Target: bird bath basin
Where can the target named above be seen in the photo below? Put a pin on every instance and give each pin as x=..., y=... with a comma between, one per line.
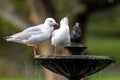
x=74, y=67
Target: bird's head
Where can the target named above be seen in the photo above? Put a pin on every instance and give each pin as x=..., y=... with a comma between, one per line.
x=51, y=22
x=64, y=20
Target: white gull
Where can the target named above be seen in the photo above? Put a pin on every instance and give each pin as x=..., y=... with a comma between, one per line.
x=61, y=36
x=35, y=35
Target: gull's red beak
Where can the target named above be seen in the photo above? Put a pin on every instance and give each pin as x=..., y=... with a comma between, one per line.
x=56, y=24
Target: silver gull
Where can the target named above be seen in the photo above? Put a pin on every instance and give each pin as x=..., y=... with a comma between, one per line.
x=61, y=36
x=35, y=35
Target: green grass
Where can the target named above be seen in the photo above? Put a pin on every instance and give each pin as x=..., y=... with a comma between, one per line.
x=104, y=46
x=97, y=76
x=12, y=78
x=105, y=76
x=22, y=78
x=103, y=32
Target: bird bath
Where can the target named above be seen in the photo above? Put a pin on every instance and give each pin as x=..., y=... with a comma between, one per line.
x=75, y=66
x=75, y=48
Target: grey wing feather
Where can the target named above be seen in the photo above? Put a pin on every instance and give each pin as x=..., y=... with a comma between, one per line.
x=28, y=33
x=34, y=28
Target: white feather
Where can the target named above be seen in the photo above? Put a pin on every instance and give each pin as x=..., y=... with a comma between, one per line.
x=35, y=34
x=61, y=36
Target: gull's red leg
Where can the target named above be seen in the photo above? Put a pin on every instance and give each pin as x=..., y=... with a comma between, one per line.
x=65, y=51
x=34, y=48
x=55, y=50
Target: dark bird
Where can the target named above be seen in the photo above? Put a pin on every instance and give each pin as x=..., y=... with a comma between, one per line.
x=76, y=34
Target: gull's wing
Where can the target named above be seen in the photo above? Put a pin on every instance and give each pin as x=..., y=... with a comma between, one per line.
x=34, y=28
x=29, y=32
x=26, y=33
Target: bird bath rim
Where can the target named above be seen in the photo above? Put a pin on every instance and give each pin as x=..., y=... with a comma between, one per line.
x=73, y=57
x=74, y=66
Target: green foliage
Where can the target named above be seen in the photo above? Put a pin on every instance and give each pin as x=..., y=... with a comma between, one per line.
x=63, y=7
x=103, y=32
x=6, y=29
x=20, y=6
x=104, y=46
x=97, y=76
x=105, y=76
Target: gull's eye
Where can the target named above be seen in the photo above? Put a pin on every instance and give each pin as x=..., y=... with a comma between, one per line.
x=51, y=21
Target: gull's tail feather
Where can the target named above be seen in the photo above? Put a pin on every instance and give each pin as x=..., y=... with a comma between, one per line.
x=9, y=38
x=13, y=38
